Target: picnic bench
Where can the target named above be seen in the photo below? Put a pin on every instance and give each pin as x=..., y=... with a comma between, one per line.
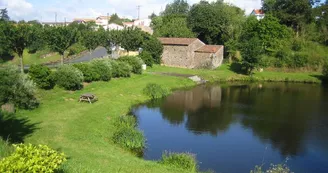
x=88, y=98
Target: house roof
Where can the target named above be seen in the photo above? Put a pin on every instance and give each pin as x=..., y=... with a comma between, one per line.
x=209, y=48
x=85, y=20
x=103, y=17
x=127, y=23
x=258, y=11
x=177, y=41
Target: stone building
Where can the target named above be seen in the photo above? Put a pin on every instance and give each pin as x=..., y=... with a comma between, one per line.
x=191, y=53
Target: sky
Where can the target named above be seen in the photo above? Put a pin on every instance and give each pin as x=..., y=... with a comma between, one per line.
x=45, y=10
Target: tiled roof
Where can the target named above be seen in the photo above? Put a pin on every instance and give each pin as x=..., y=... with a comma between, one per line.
x=103, y=17
x=258, y=11
x=177, y=41
x=209, y=48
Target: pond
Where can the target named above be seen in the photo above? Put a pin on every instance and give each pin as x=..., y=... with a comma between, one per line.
x=232, y=128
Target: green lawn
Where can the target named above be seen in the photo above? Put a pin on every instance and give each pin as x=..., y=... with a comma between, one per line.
x=223, y=73
x=34, y=58
x=83, y=131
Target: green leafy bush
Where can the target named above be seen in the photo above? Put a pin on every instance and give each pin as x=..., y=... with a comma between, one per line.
x=103, y=68
x=41, y=75
x=69, y=77
x=17, y=88
x=154, y=47
x=299, y=60
x=30, y=158
x=155, y=91
x=134, y=62
x=129, y=138
x=146, y=57
x=89, y=74
x=76, y=49
x=120, y=69
x=185, y=161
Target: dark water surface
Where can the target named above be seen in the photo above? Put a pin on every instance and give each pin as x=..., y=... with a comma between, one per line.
x=233, y=128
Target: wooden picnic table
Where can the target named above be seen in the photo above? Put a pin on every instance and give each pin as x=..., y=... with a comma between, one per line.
x=88, y=97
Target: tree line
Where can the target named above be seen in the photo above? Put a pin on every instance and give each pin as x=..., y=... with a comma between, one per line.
x=293, y=33
x=15, y=37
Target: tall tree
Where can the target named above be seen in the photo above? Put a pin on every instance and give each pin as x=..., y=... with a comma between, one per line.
x=91, y=39
x=4, y=14
x=172, y=26
x=293, y=13
x=60, y=39
x=217, y=22
x=131, y=39
x=177, y=7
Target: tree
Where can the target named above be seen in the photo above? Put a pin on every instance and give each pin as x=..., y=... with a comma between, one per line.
x=180, y=7
x=293, y=13
x=251, y=53
x=16, y=37
x=154, y=47
x=91, y=39
x=36, y=37
x=172, y=26
x=152, y=16
x=4, y=14
x=131, y=39
x=60, y=39
x=215, y=23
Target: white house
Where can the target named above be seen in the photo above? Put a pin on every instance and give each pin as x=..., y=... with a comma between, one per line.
x=102, y=21
x=142, y=22
x=114, y=26
x=258, y=13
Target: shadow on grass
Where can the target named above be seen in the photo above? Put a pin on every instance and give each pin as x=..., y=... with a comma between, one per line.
x=6, y=57
x=323, y=79
x=15, y=129
x=237, y=68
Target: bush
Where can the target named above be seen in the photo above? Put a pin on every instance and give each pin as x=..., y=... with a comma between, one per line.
x=146, y=57
x=125, y=121
x=299, y=60
x=76, y=49
x=89, y=74
x=185, y=161
x=129, y=138
x=134, y=62
x=155, y=91
x=102, y=68
x=120, y=69
x=154, y=47
x=41, y=75
x=69, y=77
x=30, y=158
x=17, y=88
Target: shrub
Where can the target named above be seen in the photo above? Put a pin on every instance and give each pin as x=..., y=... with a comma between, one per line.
x=129, y=138
x=125, y=121
x=41, y=75
x=120, y=69
x=89, y=74
x=102, y=68
x=299, y=60
x=155, y=91
x=30, y=158
x=146, y=57
x=185, y=161
x=69, y=77
x=154, y=47
x=17, y=88
x=76, y=49
x=134, y=62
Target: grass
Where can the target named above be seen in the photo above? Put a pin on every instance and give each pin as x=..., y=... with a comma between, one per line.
x=35, y=58
x=5, y=148
x=84, y=131
x=185, y=161
x=224, y=73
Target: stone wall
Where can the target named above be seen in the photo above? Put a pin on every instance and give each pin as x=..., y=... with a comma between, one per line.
x=207, y=60
x=180, y=55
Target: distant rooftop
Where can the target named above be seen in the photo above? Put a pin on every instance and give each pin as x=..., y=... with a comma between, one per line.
x=209, y=48
x=258, y=11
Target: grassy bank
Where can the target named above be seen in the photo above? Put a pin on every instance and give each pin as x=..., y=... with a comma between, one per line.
x=224, y=73
x=34, y=58
x=83, y=131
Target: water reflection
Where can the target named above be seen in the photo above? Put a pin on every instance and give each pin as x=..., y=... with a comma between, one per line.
x=289, y=117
